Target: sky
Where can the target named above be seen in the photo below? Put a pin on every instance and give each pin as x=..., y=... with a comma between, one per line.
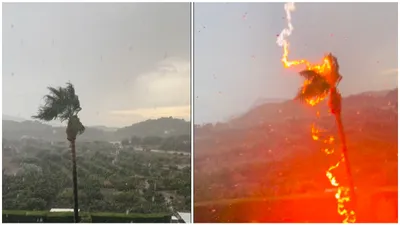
x=128, y=61
x=237, y=60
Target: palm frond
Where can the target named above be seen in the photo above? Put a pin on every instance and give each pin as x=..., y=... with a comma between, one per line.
x=73, y=99
x=76, y=106
x=58, y=92
x=65, y=115
x=70, y=90
x=81, y=129
x=50, y=99
x=309, y=74
x=54, y=102
x=334, y=62
x=317, y=87
x=334, y=77
x=61, y=103
x=46, y=113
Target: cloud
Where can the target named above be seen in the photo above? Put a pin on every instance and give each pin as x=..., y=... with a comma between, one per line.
x=393, y=71
x=167, y=85
x=161, y=92
x=178, y=112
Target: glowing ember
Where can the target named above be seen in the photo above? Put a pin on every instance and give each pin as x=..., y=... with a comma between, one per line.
x=325, y=69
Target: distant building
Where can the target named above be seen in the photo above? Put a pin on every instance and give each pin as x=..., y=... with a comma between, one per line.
x=27, y=137
x=116, y=144
x=62, y=210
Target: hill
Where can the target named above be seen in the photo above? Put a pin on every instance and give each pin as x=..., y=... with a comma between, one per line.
x=162, y=127
x=269, y=150
x=13, y=130
x=13, y=118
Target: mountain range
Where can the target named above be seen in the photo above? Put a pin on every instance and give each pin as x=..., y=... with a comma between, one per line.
x=282, y=110
x=13, y=118
x=162, y=127
x=272, y=144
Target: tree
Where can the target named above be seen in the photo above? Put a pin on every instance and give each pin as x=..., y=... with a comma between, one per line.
x=136, y=141
x=125, y=142
x=319, y=84
x=169, y=143
x=152, y=140
x=63, y=104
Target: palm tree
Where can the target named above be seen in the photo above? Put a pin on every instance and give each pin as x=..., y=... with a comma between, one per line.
x=319, y=84
x=63, y=104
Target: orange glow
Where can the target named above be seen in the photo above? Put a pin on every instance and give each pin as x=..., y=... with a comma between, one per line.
x=324, y=68
x=343, y=193
x=329, y=151
x=321, y=68
x=316, y=100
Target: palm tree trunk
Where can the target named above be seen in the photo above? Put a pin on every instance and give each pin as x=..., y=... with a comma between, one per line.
x=342, y=137
x=75, y=182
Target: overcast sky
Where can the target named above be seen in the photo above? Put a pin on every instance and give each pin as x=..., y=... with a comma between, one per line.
x=237, y=60
x=128, y=61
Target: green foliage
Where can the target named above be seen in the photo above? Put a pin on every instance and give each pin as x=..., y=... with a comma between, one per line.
x=61, y=103
x=23, y=216
x=136, y=141
x=179, y=143
x=107, y=182
x=125, y=142
x=85, y=217
x=172, y=143
x=162, y=127
x=152, y=140
x=67, y=217
x=129, y=218
x=59, y=217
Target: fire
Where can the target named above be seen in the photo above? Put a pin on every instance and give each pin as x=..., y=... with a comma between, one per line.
x=343, y=193
x=324, y=68
x=282, y=41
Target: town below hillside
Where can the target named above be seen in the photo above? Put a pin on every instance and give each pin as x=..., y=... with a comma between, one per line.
x=146, y=169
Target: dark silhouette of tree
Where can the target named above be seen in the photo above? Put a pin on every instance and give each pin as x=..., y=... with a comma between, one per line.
x=125, y=142
x=136, y=141
x=152, y=140
x=63, y=104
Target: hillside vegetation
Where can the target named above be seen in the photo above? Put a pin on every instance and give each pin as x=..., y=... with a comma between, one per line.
x=269, y=151
x=136, y=174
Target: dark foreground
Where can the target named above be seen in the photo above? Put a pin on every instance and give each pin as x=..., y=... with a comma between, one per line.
x=372, y=207
x=20, y=216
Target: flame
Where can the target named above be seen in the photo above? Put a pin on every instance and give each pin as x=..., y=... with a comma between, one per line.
x=343, y=193
x=316, y=100
x=324, y=68
x=283, y=42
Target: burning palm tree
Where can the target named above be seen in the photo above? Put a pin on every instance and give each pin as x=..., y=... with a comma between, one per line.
x=63, y=104
x=320, y=83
